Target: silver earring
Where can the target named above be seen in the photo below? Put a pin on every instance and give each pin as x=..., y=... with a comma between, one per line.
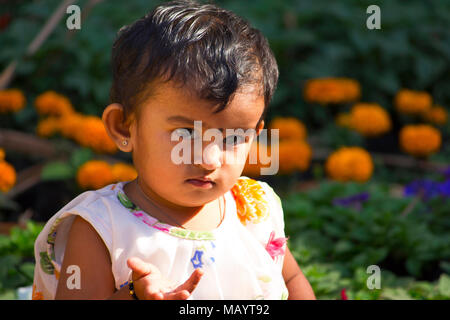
x=124, y=142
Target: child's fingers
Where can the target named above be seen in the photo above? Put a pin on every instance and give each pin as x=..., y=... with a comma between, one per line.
x=178, y=295
x=140, y=268
x=191, y=283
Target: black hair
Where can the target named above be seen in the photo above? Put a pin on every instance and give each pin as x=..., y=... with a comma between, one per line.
x=207, y=49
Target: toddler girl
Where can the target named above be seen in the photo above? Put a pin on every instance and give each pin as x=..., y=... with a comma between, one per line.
x=190, y=230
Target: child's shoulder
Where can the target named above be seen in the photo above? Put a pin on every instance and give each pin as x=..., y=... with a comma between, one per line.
x=93, y=198
x=91, y=205
x=255, y=201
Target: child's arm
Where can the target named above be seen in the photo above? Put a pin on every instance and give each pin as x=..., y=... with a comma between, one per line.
x=86, y=250
x=296, y=283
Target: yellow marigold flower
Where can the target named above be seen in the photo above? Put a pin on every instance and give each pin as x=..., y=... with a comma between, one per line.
x=332, y=90
x=437, y=115
x=412, y=102
x=250, y=203
x=123, y=172
x=7, y=176
x=294, y=155
x=52, y=103
x=70, y=124
x=48, y=127
x=349, y=164
x=420, y=140
x=92, y=134
x=370, y=119
x=289, y=128
x=344, y=120
x=11, y=100
x=94, y=174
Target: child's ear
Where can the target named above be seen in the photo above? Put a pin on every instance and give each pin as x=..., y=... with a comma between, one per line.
x=116, y=126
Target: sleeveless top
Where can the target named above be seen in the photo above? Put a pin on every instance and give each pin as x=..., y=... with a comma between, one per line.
x=242, y=258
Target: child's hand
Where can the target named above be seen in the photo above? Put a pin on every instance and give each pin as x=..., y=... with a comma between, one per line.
x=149, y=284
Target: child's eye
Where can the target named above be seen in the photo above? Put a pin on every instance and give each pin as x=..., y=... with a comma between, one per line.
x=234, y=140
x=185, y=132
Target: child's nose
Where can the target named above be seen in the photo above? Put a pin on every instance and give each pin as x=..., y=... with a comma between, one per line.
x=212, y=157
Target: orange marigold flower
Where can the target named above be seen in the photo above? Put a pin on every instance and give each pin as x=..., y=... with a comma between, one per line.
x=332, y=90
x=253, y=165
x=11, y=100
x=2, y=154
x=70, y=124
x=7, y=176
x=370, y=119
x=349, y=164
x=92, y=134
x=52, y=103
x=420, y=140
x=123, y=172
x=412, y=102
x=94, y=174
x=48, y=127
x=294, y=155
x=289, y=128
x=437, y=115
x=250, y=203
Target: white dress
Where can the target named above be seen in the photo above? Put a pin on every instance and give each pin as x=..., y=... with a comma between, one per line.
x=242, y=258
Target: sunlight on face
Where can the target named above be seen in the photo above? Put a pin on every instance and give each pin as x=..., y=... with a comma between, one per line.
x=210, y=173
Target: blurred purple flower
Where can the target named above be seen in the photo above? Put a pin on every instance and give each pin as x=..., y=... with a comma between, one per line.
x=444, y=188
x=446, y=173
x=354, y=201
x=427, y=189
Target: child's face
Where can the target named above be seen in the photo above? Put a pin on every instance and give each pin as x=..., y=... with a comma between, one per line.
x=191, y=184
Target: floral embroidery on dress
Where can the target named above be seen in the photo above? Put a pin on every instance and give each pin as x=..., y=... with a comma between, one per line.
x=47, y=259
x=275, y=247
x=154, y=223
x=202, y=257
x=36, y=295
x=250, y=202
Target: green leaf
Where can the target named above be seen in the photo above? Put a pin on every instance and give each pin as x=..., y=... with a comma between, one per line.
x=444, y=285
x=27, y=269
x=80, y=156
x=58, y=170
x=395, y=294
x=8, y=295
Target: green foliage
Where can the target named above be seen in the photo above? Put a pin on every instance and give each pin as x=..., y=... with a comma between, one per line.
x=328, y=284
x=377, y=233
x=61, y=170
x=20, y=242
x=17, y=259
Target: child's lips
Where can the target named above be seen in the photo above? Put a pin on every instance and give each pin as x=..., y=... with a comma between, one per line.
x=203, y=183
